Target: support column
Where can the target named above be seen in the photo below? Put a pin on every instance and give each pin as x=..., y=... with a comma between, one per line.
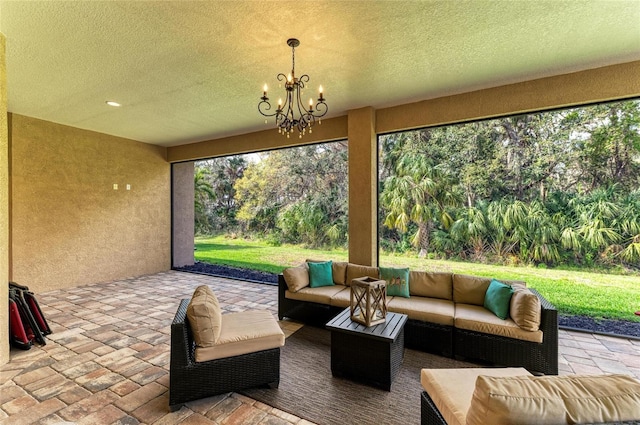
x=4, y=205
x=363, y=187
x=182, y=210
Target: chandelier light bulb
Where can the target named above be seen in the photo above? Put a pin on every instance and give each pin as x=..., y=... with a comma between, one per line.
x=291, y=113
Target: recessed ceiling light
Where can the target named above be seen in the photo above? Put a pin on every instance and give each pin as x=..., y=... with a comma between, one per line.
x=112, y=103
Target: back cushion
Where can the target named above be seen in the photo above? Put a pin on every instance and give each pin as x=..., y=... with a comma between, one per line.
x=355, y=270
x=469, y=289
x=339, y=270
x=296, y=277
x=554, y=400
x=525, y=308
x=204, y=316
x=433, y=285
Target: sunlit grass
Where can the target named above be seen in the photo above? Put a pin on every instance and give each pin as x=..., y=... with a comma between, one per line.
x=572, y=292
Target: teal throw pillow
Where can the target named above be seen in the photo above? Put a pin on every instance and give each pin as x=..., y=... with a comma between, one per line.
x=397, y=281
x=498, y=298
x=320, y=274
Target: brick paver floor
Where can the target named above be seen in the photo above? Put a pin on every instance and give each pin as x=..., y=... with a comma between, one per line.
x=107, y=360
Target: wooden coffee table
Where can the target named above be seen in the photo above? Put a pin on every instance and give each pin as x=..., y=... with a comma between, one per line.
x=369, y=354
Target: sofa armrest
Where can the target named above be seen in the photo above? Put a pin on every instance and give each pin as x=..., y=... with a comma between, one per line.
x=282, y=287
x=549, y=328
x=549, y=315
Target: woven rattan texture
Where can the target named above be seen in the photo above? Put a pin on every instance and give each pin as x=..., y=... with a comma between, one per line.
x=369, y=360
x=429, y=413
x=535, y=357
x=190, y=380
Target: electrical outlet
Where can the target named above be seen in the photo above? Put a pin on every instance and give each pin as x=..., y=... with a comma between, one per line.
x=115, y=186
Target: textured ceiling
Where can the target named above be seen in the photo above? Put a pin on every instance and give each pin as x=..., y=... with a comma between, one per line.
x=189, y=71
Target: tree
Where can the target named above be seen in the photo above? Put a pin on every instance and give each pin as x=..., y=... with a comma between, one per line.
x=220, y=206
x=203, y=193
x=297, y=195
x=610, y=147
x=419, y=191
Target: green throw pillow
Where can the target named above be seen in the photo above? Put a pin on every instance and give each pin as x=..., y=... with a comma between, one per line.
x=320, y=274
x=397, y=281
x=497, y=298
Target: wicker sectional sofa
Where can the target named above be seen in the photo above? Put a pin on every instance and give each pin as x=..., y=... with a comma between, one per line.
x=446, y=315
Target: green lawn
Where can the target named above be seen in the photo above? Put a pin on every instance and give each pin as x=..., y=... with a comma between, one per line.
x=572, y=292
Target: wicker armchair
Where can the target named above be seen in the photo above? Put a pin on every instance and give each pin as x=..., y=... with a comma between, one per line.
x=430, y=415
x=190, y=380
x=458, y=393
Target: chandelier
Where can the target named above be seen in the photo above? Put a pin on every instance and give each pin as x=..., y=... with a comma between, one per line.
x=292, y=114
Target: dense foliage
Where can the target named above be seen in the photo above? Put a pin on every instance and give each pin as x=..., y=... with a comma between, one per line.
x=547, y=188
x=560, y=187
x=296, y=195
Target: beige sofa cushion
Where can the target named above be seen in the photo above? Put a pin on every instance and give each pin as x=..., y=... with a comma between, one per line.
x=426, y=309
x=242, y=333
x=342, y=298
x=431, y=284
x=554, y=400
x=451, y=389
x=469, y=289
x=355, y=270
x=204, y=315
x=479, y=319
x=525, y=308
x=296, y=277
x=338, y=270
x=320, y=295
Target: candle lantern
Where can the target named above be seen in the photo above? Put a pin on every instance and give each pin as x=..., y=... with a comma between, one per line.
x=368, y=301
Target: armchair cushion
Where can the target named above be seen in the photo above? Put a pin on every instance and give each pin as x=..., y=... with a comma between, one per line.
x=205, y=316
x=242, y=333
x=554, y=400
x=451, y=389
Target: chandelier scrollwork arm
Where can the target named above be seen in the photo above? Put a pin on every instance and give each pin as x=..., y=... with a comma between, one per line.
x=292, y=113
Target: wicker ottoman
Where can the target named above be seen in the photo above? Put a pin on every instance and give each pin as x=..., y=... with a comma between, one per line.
x=369, y=354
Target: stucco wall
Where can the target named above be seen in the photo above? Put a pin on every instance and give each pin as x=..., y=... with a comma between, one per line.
x=4, y=205
x=363, y=181
x=183, y=194
x=69, y=226
x=594, y=85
